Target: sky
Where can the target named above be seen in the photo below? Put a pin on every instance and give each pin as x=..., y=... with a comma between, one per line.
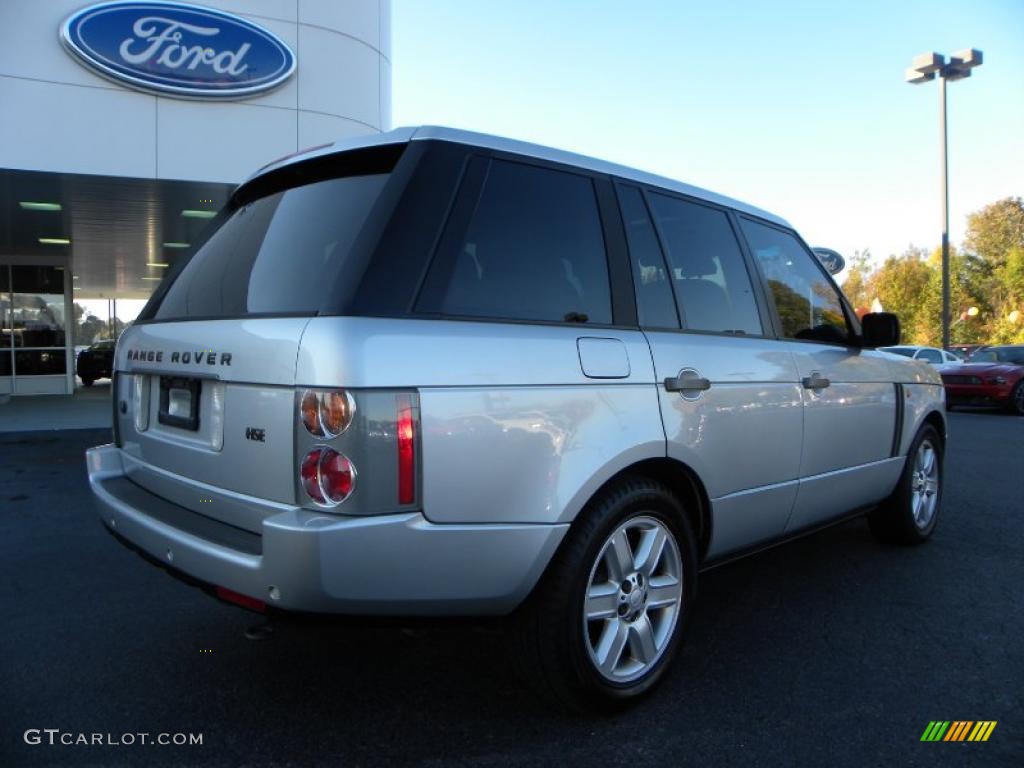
x=797, y=107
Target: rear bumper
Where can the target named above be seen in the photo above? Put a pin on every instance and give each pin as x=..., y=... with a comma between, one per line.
x=306, y=561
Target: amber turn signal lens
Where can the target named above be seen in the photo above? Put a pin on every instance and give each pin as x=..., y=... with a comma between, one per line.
x=311, y=412
x=336, y=410
x=327, y=413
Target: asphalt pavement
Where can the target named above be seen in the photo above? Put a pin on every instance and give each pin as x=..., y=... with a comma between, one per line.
x=829, y=651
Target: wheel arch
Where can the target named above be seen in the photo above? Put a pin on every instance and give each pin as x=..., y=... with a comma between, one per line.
x=937, y=420
x=681, y=480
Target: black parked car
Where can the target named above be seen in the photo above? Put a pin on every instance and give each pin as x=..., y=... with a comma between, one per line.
x=96, y=362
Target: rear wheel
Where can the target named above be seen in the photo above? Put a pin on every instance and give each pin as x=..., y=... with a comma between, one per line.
x=603, y=625
x=1016, y=404
x=909, y=516
x=87, y=382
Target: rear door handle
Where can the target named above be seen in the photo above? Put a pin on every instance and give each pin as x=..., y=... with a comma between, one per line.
x=687, y=381
x=816, y=381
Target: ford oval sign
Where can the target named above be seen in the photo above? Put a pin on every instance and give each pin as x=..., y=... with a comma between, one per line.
x=177, y=49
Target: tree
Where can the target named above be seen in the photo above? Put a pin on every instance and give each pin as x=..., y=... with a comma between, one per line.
x=899, y=284
x=87, y=327
x=995, y=235
x=996, y=230
x=967, y=280
x=855, y=286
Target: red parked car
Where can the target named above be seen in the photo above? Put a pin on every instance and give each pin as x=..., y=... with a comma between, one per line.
x=994, y=376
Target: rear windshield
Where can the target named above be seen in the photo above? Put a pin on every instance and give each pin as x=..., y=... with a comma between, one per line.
x=277, y=254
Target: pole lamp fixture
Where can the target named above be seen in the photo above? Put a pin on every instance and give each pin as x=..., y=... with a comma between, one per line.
x=926, y=67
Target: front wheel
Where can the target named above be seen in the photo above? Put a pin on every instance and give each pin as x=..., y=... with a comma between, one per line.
x=910, y=514
x=602, y=626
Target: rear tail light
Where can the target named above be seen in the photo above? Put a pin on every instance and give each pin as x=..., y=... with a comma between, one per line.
x=384, y=442
x=406, y=450
x=328, y=477
x=327, y=413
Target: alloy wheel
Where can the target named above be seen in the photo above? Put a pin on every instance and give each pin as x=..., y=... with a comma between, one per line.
x=633, y=600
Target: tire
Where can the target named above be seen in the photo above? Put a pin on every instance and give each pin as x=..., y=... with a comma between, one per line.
x=559, y=651
x=1016, y=404
x=87, y=382
x=910, y=514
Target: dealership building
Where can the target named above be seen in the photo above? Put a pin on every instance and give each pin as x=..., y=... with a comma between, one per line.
x=125, y=126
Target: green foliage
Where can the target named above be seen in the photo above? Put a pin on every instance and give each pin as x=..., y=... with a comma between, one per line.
x=988, y=275
x=996, y=230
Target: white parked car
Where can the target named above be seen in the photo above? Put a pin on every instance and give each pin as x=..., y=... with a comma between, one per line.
x=931, y=355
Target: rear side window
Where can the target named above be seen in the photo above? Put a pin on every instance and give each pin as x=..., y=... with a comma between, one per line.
x=710, y=278
x=533, y=250
x=276, y=254
x=930, y=355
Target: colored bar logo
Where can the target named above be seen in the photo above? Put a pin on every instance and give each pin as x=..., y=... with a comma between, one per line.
x=958, y=730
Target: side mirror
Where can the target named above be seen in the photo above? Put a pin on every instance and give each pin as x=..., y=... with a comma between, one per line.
x=880, y=329
x=831, y=260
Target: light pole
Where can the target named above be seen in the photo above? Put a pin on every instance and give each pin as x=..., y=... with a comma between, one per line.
x=922, y=69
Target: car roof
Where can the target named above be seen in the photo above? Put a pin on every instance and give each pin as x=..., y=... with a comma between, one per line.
x=526, y=149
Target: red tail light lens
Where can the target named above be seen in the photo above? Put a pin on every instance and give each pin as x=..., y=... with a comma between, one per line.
x=406, y=451
x=327, y=414
x=337, y=476
x=310, y=473
x=327, y=476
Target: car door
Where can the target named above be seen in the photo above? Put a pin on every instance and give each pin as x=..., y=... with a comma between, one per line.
x=728, y=393
x=849, y=399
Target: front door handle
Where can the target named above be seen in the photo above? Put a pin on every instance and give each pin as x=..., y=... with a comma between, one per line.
x=816, y=381
x=687, y=381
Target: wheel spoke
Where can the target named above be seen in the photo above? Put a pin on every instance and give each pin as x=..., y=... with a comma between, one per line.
x=928, y=459
x=602, y=601
x=619, y=556
x=641, y=640
x=610, y=646
x=651, y=546
x=664, y=591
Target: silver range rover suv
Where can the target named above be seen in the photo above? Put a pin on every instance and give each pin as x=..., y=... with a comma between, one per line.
x=438, y=373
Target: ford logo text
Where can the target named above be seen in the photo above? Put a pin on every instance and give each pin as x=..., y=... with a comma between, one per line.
x=177, y=49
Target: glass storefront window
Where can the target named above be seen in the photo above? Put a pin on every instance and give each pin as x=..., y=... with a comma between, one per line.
x=32, y=326
x=39, y=362
x=37, y=306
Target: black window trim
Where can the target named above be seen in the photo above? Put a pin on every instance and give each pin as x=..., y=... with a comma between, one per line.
x=621, y=184
x=852, y=326
x=467, y=198
x=767, y=324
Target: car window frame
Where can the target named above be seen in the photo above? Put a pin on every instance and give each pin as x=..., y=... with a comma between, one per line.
x=760, y=299
x=855, y=340
x=429, y=294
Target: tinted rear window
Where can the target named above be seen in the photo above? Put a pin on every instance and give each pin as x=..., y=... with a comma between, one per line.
x=533, y=250
x=277, y=254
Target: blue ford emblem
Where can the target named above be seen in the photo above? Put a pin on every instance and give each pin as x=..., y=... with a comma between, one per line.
x=178, y=49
